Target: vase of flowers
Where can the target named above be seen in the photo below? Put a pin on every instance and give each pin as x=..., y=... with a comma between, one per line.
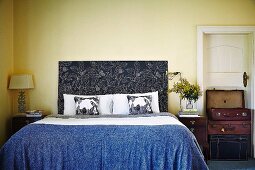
x=187, y=91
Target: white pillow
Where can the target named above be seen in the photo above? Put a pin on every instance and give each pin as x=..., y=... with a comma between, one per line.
x=104, y=107
x=120, y=102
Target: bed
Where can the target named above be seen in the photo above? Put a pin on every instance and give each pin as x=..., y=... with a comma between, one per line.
x=126, y=136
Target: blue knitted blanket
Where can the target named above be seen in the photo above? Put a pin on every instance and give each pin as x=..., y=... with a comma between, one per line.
x=111, y=147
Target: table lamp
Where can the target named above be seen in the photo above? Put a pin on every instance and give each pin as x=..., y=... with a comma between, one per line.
x=21, y=82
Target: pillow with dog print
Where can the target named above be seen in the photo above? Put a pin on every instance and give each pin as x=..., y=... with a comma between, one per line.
x=139, y=104
x=86, y=106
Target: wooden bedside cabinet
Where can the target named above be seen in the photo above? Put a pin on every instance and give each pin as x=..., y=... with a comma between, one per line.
x=21, y=120
x=198, y=126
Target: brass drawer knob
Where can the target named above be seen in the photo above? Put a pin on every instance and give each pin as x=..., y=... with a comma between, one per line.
x=192, y=122
x=192, y=130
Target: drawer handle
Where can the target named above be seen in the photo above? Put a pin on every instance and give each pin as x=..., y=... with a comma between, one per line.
x=192, y=122
x=192, y=130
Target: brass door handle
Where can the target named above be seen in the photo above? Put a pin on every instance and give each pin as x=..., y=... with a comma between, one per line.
x=245, y=78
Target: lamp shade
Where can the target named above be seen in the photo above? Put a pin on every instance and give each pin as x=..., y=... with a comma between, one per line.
x=21, y=81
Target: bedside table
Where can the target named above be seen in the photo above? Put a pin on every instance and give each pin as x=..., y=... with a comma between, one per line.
x=198, y=126
x=21, y=120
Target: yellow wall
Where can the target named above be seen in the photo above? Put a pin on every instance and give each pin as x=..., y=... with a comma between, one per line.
x=6, y=62
x=46, y=31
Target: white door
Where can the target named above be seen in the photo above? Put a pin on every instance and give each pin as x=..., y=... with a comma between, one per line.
x=226, y=61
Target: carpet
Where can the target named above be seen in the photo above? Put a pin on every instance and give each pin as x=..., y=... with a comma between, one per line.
x=232, y=165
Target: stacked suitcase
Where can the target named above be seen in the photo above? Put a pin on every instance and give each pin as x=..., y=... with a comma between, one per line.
x=229, y=125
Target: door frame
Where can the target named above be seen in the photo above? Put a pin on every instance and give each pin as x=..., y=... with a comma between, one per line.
x=205, y=30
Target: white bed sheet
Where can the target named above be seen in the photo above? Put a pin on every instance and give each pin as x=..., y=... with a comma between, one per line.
x=155, y=120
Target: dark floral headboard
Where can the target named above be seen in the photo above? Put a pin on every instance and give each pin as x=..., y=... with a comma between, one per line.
x=110, y=77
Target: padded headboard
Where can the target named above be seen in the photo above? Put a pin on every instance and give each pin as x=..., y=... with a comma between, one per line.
x=111, y=77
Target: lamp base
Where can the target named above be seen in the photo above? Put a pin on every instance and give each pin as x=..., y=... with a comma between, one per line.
x=21, y=102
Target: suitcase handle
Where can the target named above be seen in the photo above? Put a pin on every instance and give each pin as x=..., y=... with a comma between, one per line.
x=246, y=125
x=224, y=114
x=228, y=115
x=244, y=114
x=227, y=128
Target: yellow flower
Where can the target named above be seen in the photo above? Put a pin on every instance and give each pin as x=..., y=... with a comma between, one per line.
x=186, y=90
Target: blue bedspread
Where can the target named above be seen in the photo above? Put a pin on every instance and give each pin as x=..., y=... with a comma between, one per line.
x=42, y=146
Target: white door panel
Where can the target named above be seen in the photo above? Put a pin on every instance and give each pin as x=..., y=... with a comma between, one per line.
x=231, y=81
x=226, y=60
x=235, y=40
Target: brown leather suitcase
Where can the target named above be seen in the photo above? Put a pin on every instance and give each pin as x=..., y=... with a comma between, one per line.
x=229, y=127
x=229, y=147
x=230, y=114
x=226, y=105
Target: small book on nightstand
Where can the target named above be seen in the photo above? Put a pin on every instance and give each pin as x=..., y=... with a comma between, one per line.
x=188, y=113
x=189, y=116
x=34, y=113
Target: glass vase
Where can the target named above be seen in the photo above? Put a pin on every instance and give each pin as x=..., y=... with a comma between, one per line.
x=188, y=104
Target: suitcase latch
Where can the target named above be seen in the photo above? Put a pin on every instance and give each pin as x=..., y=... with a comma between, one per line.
x=222, y=129
x=244, y=114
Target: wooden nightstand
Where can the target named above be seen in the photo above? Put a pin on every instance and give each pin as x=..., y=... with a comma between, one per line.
x=21, y=120
x=198, y=126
